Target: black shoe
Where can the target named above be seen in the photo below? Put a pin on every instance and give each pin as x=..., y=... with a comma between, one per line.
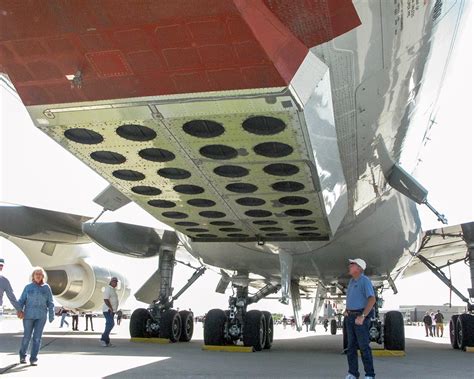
x=34, y=363
x=22, y=360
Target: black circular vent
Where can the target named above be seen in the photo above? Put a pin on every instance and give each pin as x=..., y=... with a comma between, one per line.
x=219, y=152
x=271, y=229
x=205, y=235
x=265, y=222
x=241, y=187
x=197, y=230
x=130, y=175
x=108, y=157
x=175, y=215
x=162, y=203
x=230, y=230
x=306, y=228
x=276, y=235
x=281, y=169
x=135, y=132
x=203, y=128
x=258, y=213
x=298, y=212
x=250, y=201
x=212, y=214
x=293, y=200
x=188, y=189
x=222, y=223
x=156, y=155
x=84, y=136
x=273, y=149
x=287, y=186
x=229, y=171
x=186, y=223
x=174, y=173
x=146, y=190
x=303, y=222
x=203, y=203
x=263, y=125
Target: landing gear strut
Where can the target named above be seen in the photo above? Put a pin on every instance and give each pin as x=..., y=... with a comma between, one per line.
x=160, y=319
x=254, y=328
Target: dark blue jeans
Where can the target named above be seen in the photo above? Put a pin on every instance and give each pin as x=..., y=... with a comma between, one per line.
x=32, y=327
x=358, y=338
x=109, y=325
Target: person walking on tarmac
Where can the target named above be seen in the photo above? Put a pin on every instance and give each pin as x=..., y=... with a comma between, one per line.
x=5, y=287
x=109, y=308
x=439, y=318
x=359, y=310
x=427, y=321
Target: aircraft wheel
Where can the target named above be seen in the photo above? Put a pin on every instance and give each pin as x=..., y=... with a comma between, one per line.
x=453, y=324
x=394, y=331
x=138, y=322
x=255, y=332
x=170, y=326
x=269, y=324
x=187, y=325
x=214, y=325
x=333, y=326
x=465, y=330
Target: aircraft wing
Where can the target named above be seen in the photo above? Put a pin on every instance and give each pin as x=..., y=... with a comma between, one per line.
x=440, y=246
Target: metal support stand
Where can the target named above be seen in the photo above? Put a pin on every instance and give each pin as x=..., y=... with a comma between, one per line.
x=264, y=292
x=296, y=302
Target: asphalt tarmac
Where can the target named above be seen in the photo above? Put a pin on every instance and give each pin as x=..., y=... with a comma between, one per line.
x=65, y=353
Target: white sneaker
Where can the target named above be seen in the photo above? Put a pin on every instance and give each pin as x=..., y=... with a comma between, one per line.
x=110, y=345
x=369, y=377
x=103, y=343
x=350, y=376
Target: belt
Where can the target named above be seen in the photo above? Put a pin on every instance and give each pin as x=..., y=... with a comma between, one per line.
x=355, y=311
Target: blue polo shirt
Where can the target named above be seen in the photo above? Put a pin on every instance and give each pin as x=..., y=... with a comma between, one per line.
x=358, y=291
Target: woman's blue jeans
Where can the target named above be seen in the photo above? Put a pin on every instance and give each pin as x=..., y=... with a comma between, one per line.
x=32, y=327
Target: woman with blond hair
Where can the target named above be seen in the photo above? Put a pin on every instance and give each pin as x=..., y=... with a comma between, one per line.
x=36, y=302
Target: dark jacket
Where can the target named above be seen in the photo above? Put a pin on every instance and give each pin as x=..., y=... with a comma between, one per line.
x=427, y=320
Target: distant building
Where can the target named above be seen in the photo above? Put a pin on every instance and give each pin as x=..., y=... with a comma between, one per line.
x=415, y=313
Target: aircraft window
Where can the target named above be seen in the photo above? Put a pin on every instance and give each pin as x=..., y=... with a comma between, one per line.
x=156, y=155
x=250, y=201
x=188, y=189
x=276, y=235
x=218, y=152
x=203, y=128
x=201, y=203
x=175, y=214
x=231, y=171
x=258, y=213
x=146, y=190
x=293, y=200
x=237, y=235
x=212, y=214
x=162, y=203
x=273, y=149
x=128, y=175
x=303, y=222
x=229, y=230
x=263, y=125
x=136, y=132
x=85, y=136
x=197, y=230
x=281, y=169
x=298, y=212
x=206, y=235
x=306, y=228
x=241, y=187
x=271, y=229
x=265, y=222
x=222, y=223
x=287, y=186
x=108, y=157
x=186, y=223
x=174, y=173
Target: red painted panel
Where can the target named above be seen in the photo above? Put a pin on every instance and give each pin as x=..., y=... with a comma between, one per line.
x=131, y=48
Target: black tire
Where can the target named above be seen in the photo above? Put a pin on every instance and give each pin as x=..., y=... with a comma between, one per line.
x=465, y=330
x=187, y=325
x=344, y=335
x=170, y=325
x=138, y=322
x=269, y=325
x=255, y=330
x=453, y=331
x=333, y=327
x=394, y=331
x=214, y=325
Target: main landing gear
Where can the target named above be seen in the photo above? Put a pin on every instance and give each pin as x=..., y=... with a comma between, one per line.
x=160, y=319
x=254, y=328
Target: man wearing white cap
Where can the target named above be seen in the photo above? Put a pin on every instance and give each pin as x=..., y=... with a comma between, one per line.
x=359, y=309
x=5, y=287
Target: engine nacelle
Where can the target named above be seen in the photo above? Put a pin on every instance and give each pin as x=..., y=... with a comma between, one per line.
x=81, y=285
